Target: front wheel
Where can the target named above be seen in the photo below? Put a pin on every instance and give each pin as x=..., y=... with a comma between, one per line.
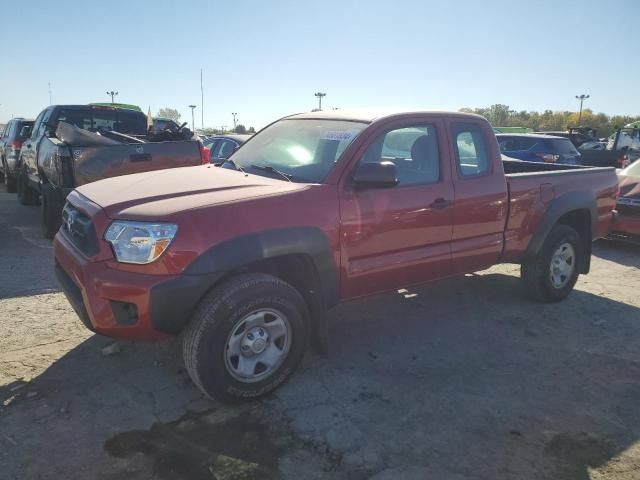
x=246, y=338
x=553, y=272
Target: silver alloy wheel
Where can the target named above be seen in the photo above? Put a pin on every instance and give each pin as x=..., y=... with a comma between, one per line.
x=563, y=262
x=257, y=345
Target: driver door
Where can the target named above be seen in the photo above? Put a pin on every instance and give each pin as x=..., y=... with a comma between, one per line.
x=398, y=236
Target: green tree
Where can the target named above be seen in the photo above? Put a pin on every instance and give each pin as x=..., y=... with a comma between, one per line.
x=251, y=130
x=498, y=114
x=241, y=129
x=171, y=113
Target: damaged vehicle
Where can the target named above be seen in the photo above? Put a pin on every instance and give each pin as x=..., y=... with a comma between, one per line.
x=244, y=260
x=72, y=145
x=626, y=221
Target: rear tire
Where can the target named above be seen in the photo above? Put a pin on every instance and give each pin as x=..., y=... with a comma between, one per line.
x=246, y=338
x=553, y=272
x=50, y=211
x=10, y=183
x=26, y=194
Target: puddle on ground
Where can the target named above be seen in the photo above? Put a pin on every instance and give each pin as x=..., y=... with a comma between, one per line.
x=222, y=444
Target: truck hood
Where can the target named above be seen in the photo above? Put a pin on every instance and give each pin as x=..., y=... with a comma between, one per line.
x=163, y=193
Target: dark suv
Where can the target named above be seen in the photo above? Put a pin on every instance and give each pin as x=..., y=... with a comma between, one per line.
x=16, y=131
x=539, y=148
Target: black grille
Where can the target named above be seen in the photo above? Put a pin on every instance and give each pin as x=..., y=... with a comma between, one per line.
x=79, y=229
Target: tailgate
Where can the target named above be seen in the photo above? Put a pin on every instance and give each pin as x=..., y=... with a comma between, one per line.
x=96, y=163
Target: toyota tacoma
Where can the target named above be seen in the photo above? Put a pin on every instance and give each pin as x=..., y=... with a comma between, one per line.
x=244, y=259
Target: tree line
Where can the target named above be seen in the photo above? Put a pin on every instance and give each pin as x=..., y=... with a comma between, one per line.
x=502, y=116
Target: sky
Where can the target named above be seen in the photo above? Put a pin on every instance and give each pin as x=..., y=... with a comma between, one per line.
x=265, y=60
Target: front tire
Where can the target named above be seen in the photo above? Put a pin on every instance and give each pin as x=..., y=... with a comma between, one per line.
x=553, y=272
x=9, y=183
x=246, y=338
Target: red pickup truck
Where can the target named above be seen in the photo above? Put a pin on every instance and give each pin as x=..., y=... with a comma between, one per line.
x=245, y=258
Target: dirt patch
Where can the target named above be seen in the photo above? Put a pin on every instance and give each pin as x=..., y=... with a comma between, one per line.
x=207, y=445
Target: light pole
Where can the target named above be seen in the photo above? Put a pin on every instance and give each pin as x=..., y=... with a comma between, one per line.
x=235, y=120
x=113, y=94
x=320, y=95
x=582, y=98
x=193, y=107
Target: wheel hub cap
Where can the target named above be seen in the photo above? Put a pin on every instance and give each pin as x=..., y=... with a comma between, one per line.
x=257, y=345
x=562, y=265
x=255, y=341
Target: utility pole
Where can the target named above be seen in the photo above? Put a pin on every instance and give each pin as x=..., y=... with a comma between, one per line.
x=113, y=94
x=193, y=107
x=201, y=102
x=582, y=98
x=320, y=95
x=235, y=120
x=50, y=102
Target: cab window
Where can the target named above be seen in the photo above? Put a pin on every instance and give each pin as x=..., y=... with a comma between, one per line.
x=414, y=151
x=471, y=151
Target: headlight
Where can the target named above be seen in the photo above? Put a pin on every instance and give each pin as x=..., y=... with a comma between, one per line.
x=139, y=242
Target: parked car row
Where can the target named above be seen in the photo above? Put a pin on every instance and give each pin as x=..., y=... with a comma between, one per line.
x=575, y=147
x=14, y=135
x=245, y=259
x=71, y=145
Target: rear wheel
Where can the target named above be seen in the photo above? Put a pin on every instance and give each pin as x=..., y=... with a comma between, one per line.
x=246, y=338
x=553, y=272
x=50, y=211
x=9, y=183
x=26, y=194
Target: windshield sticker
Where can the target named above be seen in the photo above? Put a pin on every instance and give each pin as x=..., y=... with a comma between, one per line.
x=338, y=135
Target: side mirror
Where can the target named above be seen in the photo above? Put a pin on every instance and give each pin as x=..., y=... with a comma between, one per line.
x=376, y=174
x=25, y=132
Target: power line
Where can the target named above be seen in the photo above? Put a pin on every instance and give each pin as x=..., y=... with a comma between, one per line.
x=193, y=107
x=320, y=95
x=113, y=94
x=201, y=102
x=582, y=98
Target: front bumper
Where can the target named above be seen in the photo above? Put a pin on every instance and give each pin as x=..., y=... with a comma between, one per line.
x=108, y=301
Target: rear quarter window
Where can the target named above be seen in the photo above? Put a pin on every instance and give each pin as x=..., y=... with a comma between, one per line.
x=470, y=146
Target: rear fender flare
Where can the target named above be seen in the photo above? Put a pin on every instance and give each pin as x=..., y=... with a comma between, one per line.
x=558, y=207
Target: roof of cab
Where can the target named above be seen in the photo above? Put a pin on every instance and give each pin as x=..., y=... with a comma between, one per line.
x=529, y=135
x=371, y=115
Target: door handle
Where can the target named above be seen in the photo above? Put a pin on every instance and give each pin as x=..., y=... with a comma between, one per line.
x=440, y=203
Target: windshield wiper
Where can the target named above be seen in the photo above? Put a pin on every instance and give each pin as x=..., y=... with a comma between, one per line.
x=269, y=168
x=235, y=165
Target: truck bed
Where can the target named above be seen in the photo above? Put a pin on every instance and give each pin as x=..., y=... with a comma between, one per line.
x=534, y=186
x=90, y=164
x=75, y=157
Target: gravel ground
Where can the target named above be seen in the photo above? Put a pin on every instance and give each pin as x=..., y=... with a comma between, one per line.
x=464, y=379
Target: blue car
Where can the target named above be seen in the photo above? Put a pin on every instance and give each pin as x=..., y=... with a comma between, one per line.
x=538, y=148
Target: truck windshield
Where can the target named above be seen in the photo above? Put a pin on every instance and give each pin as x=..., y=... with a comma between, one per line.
x=305, y=150
x=97, y=119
